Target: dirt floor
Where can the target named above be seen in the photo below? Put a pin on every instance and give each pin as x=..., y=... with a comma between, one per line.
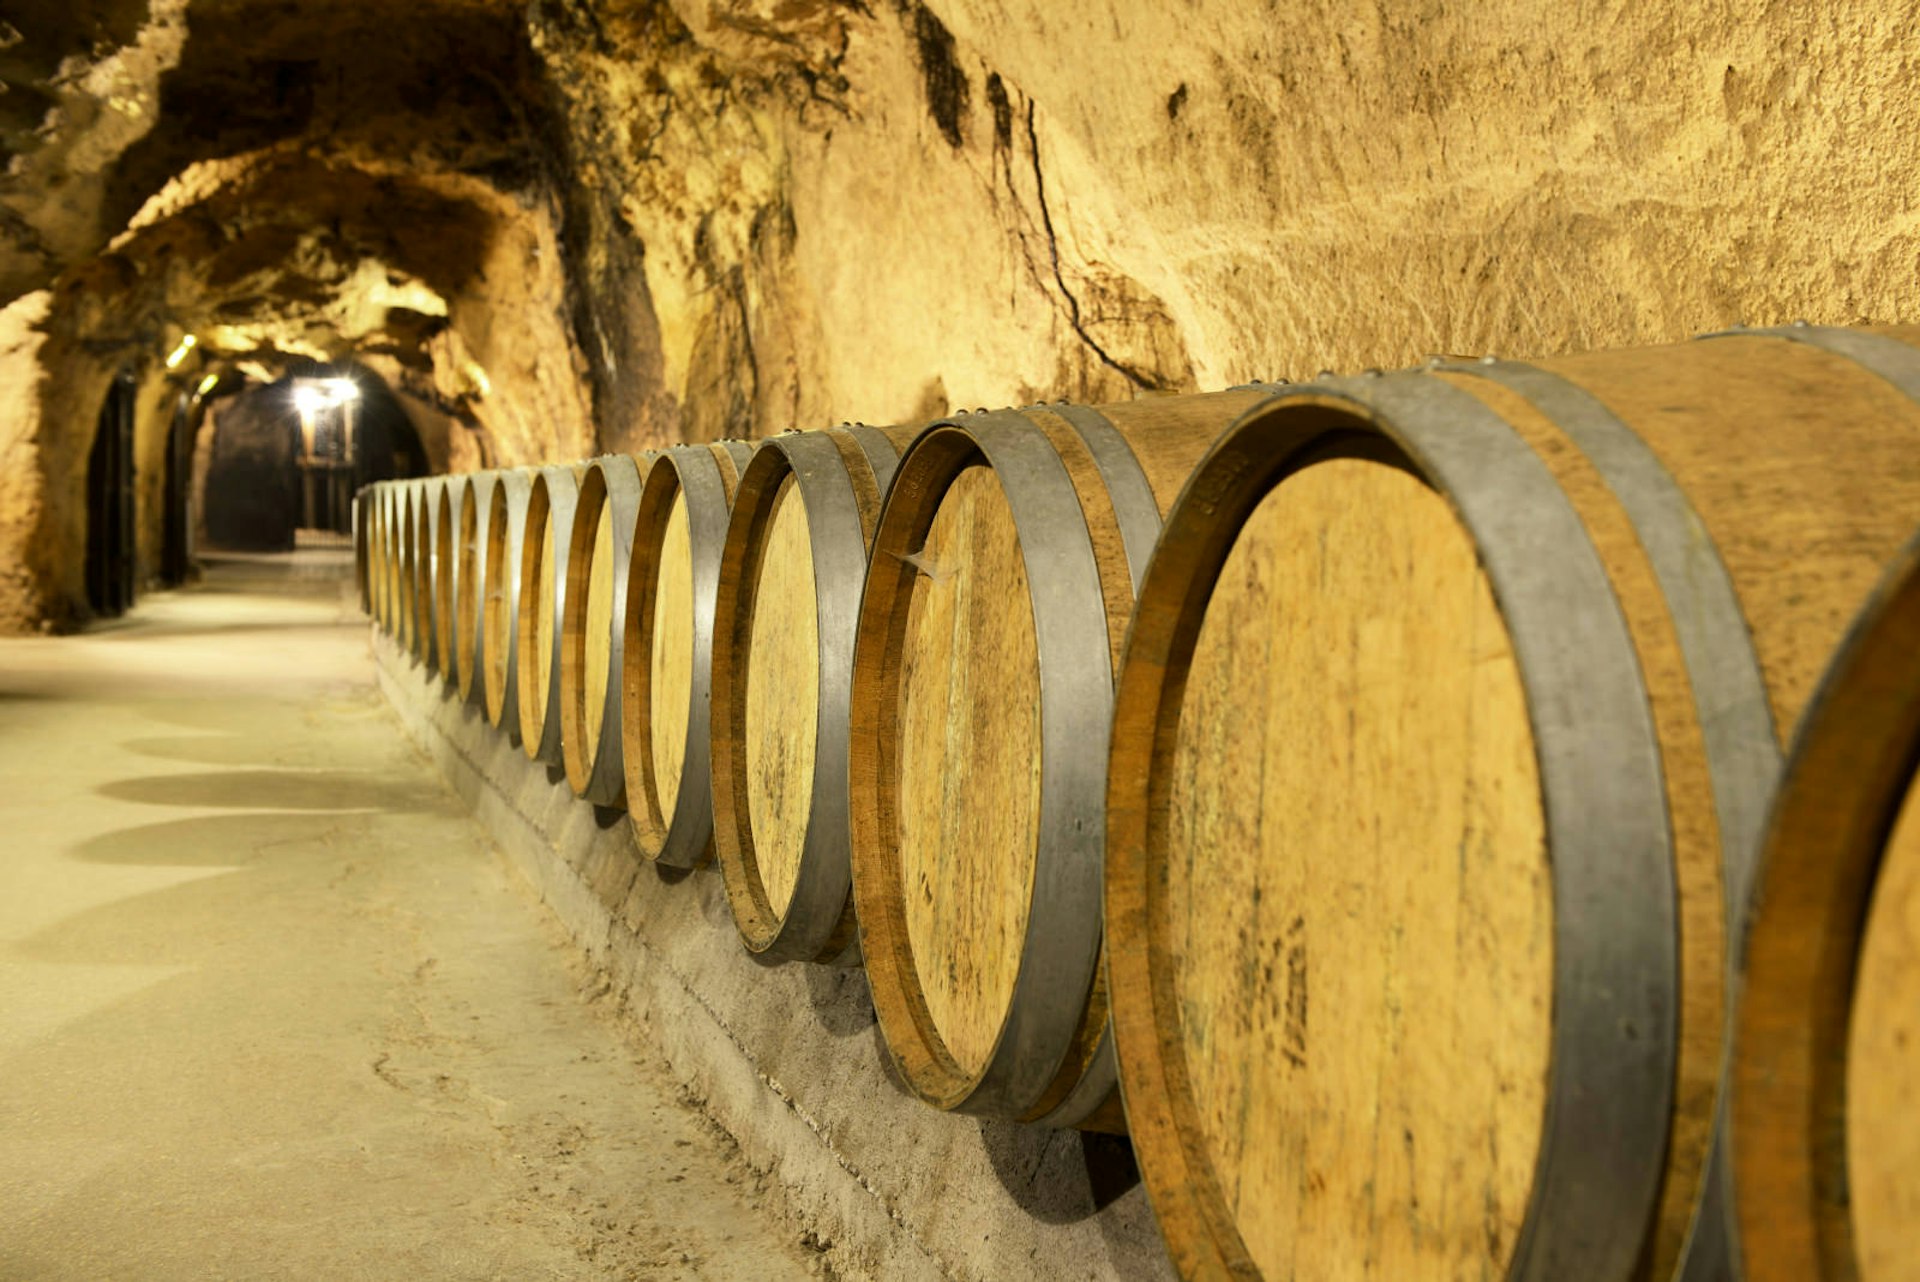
x=270, y=1005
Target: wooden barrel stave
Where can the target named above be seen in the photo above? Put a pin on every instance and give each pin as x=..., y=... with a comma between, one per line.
x=666, y=664
x=781, y=835
x=1669, y=508
x=600, y=552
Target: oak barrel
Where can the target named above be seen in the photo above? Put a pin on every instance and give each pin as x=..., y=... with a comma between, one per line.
x=667, y=649
x=600, y=551
x=470, y=584
x=545, y=547
x=363, y=548
x=1441, y=753
x=375, y=497
x=408, y=502
x=500, y=614
x=1825, y=1085
x=1002, y=575
x=426, y=506
x=786, y=607
x=446, y=578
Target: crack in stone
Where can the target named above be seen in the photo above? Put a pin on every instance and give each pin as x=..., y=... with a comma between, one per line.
x=1142, y=381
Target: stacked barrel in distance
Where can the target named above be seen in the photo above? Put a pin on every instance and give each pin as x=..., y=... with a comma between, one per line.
x=1458, y=821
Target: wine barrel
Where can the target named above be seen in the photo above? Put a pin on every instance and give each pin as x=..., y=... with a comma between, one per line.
x=376, y=497
x=544, y=552
x=426, y=505
x=1440, y=757
x=391, y=558
x=1002, y=574
x=407, y=500
x=1824, y=1107
x=362, y=547
x=500, y=615
x=667, y=651
x=786, y=605
x=470, y=584
x=446, y=587
x=600, y=551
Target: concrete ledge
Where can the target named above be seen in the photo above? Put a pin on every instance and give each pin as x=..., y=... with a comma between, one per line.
x=788, y=1060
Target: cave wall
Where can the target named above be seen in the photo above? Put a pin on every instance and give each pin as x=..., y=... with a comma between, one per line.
x=558, y=227
x=868, y=212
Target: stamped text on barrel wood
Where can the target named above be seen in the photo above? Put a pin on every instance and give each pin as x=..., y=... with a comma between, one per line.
x=670, y=659
x=783, y=698
x=969, y=729
x=1883, y=1064
x=1358, y=893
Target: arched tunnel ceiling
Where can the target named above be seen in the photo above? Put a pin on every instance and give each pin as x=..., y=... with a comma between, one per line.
x=106, y=102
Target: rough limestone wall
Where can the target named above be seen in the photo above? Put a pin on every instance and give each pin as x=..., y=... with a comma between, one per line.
x=872, y=212
x=22, y=488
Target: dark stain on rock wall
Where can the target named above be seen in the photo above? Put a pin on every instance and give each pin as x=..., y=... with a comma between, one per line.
x=948, y=91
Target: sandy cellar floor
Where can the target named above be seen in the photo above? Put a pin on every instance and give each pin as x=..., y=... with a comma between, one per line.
x=270, y=1005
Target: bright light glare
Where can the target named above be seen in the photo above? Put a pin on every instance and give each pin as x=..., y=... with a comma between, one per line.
x=208, y=383
x=313, y=394
x=180, y=353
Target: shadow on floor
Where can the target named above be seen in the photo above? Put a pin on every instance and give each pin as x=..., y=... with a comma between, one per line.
x=279, y=790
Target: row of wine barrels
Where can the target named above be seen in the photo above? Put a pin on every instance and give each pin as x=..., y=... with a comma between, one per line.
x=1001, y=581
x=1444, y=743
x=1384, y=829
x=787, y=604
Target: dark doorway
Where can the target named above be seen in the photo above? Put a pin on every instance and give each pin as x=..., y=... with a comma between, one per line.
x=176, y=530
x=110, y=556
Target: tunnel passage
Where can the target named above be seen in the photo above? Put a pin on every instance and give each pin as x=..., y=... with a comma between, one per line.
x=289, y=455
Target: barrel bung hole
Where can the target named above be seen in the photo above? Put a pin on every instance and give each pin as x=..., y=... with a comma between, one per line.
x=1357, y=907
